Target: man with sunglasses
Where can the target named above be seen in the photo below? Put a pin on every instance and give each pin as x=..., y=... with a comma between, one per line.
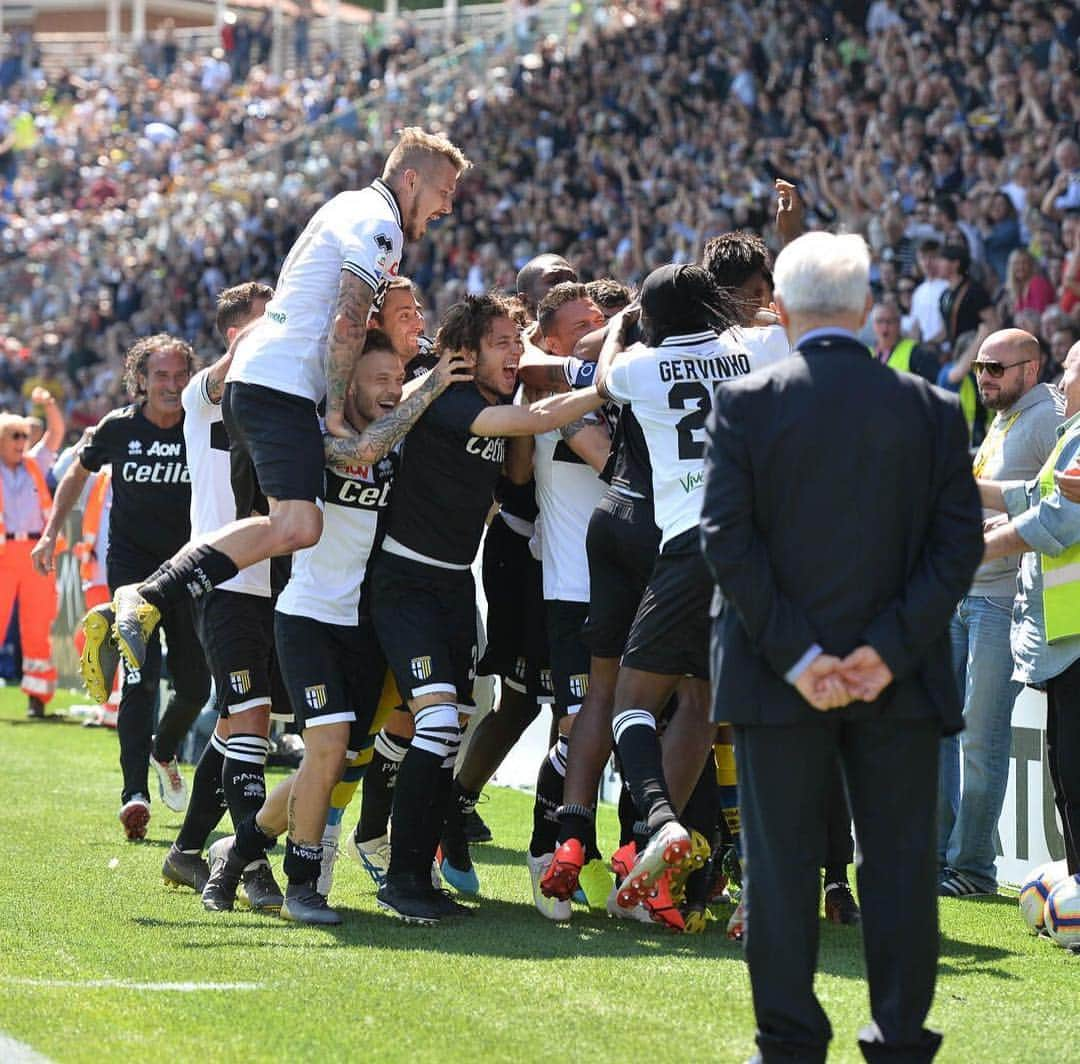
x=1017, y=442
x=25, y=505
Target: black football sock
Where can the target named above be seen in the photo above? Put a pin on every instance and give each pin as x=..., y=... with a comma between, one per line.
x=302, y=863
x=173, y=726
x=549, y=792
x=195, y=570
x=244, y=775
x=627, y=815
x=642, y=762
x=703, y=806
x=206, y=805
x=251, y=841
x=423, y=790
x=379, y=782
x=577, y=822
x=462, y=803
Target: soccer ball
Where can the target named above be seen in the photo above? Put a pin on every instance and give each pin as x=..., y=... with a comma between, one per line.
x=1063, y=913
x=1036, y=889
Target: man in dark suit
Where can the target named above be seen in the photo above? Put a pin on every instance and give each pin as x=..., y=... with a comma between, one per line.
x=842, y=524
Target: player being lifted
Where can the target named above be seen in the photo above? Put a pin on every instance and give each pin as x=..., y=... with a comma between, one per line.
x=423, y=596
x=303, y=349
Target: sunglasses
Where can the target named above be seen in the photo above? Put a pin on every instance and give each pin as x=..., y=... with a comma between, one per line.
x=18, y=435
x=996, y=369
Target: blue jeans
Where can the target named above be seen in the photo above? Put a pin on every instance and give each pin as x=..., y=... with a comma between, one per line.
x=968, y=814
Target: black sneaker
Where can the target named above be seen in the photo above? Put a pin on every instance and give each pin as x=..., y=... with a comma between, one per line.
x=840, y=906
x=305, y=905
x=260, y=888
x=35, y=708
x=219, y=894
x=413, y=900
x=185, y=870
x=449, y=907
x=475, y=828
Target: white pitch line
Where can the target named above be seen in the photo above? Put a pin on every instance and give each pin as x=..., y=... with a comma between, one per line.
x=12, y=1051
x=124, y=984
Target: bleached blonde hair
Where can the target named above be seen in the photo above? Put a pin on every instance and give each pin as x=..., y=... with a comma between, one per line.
x=416, y=148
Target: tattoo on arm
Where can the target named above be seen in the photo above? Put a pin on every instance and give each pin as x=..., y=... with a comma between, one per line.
x=379, y=438
x=215, y=387
x=568, y=432
x=347, y=334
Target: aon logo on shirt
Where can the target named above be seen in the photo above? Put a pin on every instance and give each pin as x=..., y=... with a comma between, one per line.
x=491, y=450
x=165, y=450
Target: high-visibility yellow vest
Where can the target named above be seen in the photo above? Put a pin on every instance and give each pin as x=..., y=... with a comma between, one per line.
x=900, y=359
x=969, y=402
x=1061, y=574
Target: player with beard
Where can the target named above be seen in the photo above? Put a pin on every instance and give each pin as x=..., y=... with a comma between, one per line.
x=150, y=520
x=302, y=350
x=422, y=593
x=330, y=659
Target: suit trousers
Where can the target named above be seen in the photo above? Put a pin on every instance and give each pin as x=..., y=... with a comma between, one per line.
x=890, y=767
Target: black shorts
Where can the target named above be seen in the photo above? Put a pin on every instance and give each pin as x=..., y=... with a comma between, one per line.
x=425, y=618
x=517, y=647
x=569, y=654
x=237, y=634
x=334, y=673
x=280, y=434
x=670, y=634
x=621, y=544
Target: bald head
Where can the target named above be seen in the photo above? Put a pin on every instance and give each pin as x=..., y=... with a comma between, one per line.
x=1019, y=355
x=538, y=276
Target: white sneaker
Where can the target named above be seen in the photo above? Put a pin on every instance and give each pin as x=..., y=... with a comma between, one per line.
x=372, y=856
x=135, y=815
x=635, y=912
x=551, y=908
x=171, y=785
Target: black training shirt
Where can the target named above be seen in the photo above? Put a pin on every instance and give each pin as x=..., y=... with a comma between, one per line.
x=150, y=518
x=446, y=482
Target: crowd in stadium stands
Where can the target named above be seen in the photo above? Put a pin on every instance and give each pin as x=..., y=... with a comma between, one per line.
x=946, y=133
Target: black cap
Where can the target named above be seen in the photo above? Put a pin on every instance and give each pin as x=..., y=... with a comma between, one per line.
x=683, y=299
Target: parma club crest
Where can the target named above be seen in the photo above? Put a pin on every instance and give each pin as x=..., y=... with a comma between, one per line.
x=240, y=681
x=315, y=696
x=421, y=667
x=579, y=685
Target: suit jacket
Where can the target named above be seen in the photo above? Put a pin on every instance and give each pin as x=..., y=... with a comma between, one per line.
x=839, y=509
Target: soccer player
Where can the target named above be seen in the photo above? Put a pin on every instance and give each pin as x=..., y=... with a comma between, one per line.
x=329, y=655
x=303, y=349
x=423, y=596
x=669, y=381
x=566, y=465
x=235, y=627
x=397, y=313
x=149, y=522
x=517, y=639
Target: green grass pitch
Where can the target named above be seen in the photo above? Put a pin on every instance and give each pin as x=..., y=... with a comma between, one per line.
x=88, y=935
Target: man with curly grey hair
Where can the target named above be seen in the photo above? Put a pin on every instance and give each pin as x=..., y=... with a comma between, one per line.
x=144, y=444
